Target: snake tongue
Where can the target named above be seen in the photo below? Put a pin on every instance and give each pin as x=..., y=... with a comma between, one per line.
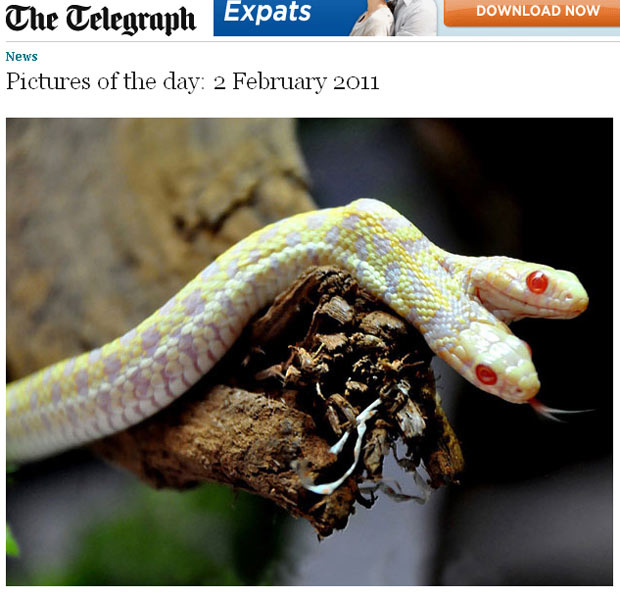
x=551, y=413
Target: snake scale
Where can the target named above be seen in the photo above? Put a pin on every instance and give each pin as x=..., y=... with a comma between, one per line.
x=460, y=304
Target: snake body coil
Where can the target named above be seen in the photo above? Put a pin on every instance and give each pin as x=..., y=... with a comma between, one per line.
x=460, y=305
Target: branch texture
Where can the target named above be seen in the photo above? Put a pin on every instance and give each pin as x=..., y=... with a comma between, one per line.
x=293, y=383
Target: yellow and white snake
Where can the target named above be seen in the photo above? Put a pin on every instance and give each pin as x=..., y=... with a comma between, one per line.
x=460, y=304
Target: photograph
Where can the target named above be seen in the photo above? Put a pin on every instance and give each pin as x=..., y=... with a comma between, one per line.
x=310, y=351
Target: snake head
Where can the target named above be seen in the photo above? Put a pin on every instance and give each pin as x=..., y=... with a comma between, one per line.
x=496, y=361
x=513, y=289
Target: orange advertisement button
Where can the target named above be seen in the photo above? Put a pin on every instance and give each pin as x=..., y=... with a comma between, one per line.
x=531, y=13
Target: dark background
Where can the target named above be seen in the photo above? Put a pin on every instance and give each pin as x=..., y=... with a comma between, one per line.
x=535, y=504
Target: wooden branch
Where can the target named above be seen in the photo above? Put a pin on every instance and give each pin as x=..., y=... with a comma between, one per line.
x=289, y=388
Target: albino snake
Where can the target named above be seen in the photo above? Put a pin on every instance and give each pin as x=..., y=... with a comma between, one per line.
x=460, y=304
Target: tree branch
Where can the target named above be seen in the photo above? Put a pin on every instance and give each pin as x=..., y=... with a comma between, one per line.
x=293, y=383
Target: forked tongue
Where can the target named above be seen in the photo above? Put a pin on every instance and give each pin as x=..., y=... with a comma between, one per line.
x=551, y=413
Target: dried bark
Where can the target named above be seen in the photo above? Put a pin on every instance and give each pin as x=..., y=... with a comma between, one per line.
x=296, y=379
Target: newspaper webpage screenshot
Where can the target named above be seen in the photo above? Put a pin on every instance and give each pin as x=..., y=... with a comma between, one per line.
x=309, y=292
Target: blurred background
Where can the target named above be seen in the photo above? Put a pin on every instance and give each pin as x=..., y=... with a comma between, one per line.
x=535, y=504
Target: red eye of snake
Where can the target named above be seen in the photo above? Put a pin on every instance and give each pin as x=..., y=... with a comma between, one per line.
x=537, y=282
x=486, y=374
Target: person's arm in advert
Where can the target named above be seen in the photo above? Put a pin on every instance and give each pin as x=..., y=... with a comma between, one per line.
x=415, y=18
x=377, y=20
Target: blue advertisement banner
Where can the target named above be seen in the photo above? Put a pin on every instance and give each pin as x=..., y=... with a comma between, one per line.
x=286, y=17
